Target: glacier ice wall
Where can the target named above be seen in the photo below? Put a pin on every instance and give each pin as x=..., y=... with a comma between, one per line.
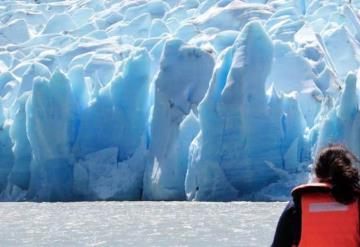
x=173, y=100
x=180, y=85
x=233, y=118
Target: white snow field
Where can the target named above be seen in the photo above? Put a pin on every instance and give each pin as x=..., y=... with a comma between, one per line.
x=142, y=224
x=207, y=100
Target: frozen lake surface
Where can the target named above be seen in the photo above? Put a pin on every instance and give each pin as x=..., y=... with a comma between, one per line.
x=138, y=224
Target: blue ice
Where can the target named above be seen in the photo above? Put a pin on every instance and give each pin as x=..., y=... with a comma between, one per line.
x=173, y=100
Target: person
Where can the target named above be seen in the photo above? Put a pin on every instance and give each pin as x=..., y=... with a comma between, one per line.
x=326, y=211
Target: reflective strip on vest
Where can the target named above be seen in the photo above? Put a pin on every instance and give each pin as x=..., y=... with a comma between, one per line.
x=325, y=222
x=327, y=207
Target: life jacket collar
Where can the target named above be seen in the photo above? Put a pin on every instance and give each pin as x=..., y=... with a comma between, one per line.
x=311, y=188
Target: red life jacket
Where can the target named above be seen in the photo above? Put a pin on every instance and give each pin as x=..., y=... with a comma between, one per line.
x=324, y=221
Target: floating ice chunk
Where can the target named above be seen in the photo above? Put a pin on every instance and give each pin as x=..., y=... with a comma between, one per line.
x=15, y=32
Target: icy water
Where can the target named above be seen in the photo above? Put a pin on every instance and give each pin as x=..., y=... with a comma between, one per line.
x=138, y=224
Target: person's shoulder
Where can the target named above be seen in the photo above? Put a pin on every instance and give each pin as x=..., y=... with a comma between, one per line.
x=290, y=207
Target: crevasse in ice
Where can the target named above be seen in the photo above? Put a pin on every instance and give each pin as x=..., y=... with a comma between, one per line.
x=173, y=100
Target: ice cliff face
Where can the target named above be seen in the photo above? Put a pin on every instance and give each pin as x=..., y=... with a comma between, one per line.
x=173, y=100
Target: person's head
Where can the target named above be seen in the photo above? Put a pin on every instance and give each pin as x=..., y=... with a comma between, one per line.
x=335, y=164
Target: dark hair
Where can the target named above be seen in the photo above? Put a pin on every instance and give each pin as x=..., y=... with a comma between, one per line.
x=334, y=164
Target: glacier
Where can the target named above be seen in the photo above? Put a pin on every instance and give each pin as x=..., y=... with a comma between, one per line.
x=207, y=100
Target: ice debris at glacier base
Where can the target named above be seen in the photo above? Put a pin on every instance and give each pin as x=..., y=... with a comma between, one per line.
x=173, y=100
